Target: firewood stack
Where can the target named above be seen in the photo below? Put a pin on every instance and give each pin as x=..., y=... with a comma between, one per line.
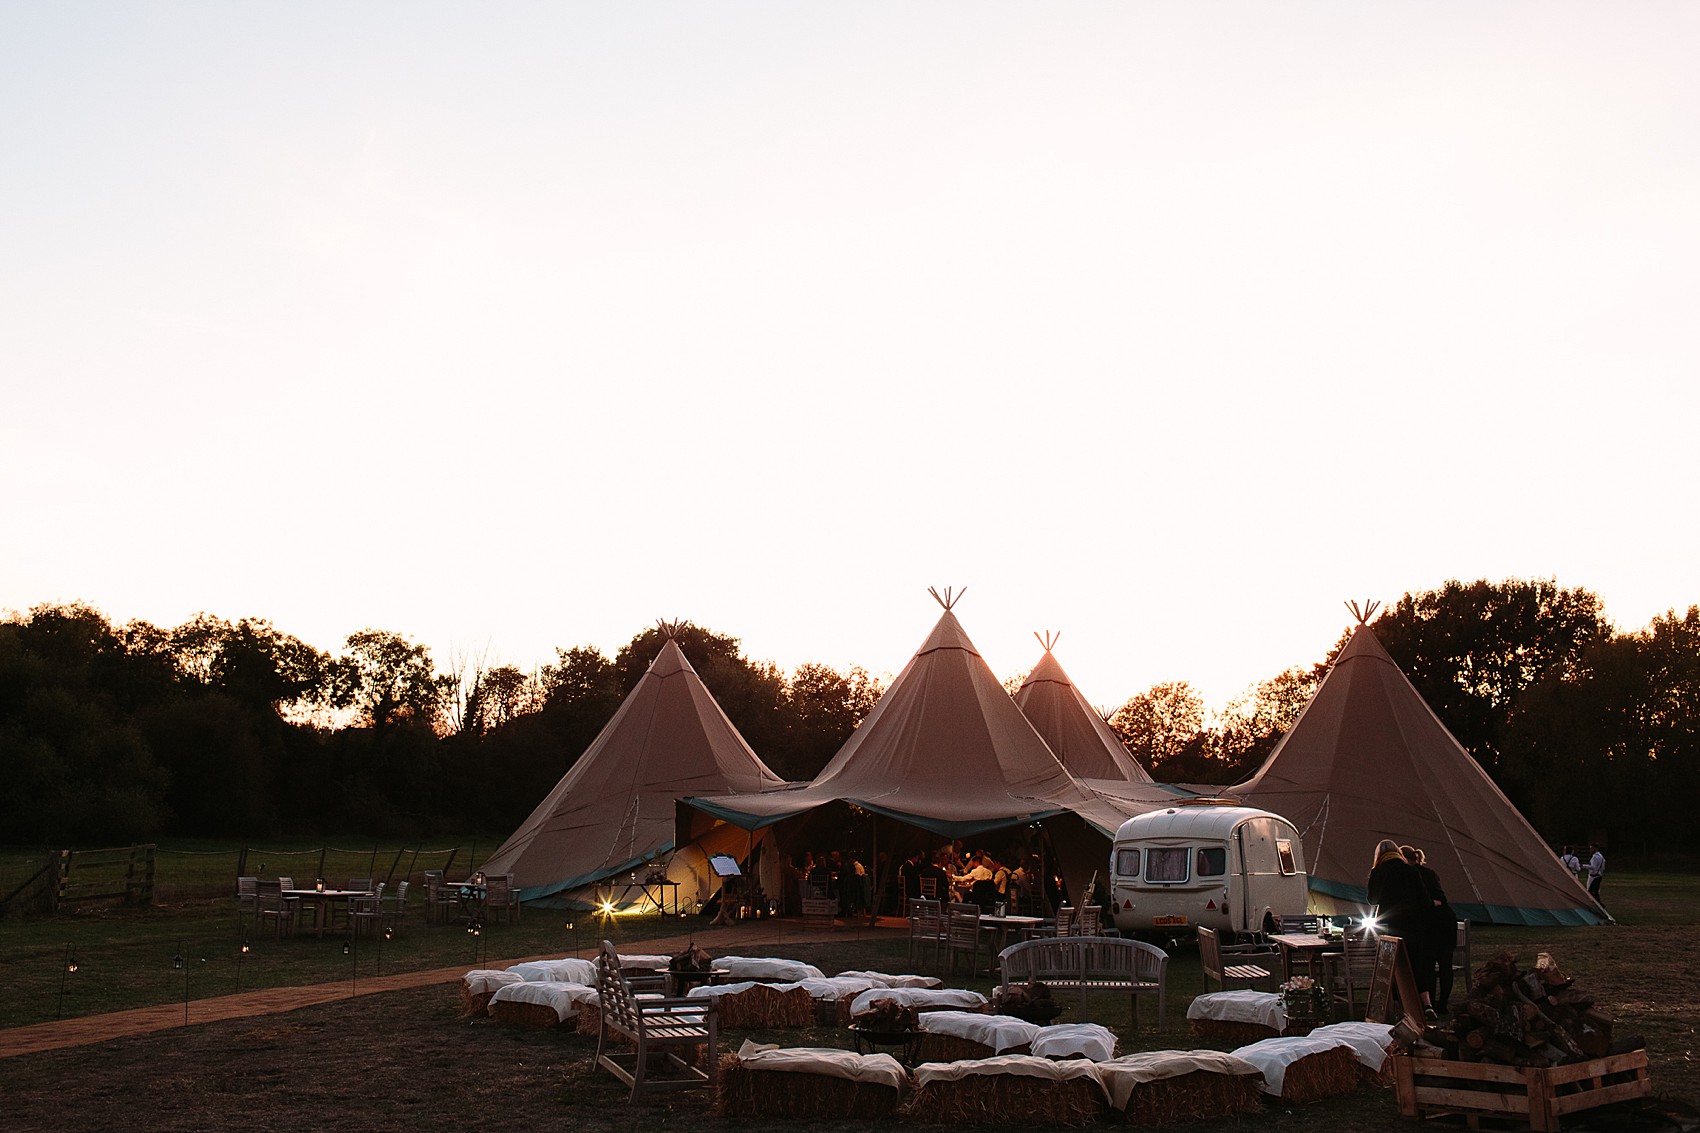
x=1534, y=1018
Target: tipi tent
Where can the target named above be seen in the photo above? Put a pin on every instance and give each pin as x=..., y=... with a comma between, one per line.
x=947, y=751
x=1368, y=759
x=613, y=810
x=1070, y=727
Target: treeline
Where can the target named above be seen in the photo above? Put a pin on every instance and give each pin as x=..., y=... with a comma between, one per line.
x=234, y=729
x=1586, y=729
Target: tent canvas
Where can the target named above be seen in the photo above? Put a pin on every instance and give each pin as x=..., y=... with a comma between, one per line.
x=1368, y=759
x=1071, y=728
x=613, y=811
x=945, y=750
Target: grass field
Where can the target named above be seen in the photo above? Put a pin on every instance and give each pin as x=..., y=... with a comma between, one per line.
x=405, y=1061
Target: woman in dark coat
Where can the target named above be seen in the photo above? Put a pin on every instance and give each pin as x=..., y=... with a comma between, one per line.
x=1442, y=929
x=1402, y=907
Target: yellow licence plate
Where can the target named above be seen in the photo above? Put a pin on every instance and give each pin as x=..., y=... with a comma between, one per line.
x=1160, y=921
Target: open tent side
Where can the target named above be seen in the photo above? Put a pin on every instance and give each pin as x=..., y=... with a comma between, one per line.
x=947, y=751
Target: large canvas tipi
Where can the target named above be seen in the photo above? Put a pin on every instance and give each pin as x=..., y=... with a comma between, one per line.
x=1368, y=759
x=613, y=811
x=945, y=751
x=1071, y=727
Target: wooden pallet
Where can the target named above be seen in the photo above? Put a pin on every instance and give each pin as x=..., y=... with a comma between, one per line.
x=1536, y=1098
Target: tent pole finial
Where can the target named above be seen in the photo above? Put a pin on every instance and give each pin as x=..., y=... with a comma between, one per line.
x=948, y=599
x=1049, y=638
x=1363, y=612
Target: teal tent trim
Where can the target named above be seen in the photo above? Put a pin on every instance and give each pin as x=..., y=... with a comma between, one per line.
x=1479, y=914
x=540, y=893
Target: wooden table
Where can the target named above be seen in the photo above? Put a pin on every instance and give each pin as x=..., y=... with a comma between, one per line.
x=1001, y=927
x=324, y=903
x=1305, y=946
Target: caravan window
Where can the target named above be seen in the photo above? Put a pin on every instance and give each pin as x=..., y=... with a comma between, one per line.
x=1284, y=850
x=1212, y=861
x=1166, y=865
x=1127, y=863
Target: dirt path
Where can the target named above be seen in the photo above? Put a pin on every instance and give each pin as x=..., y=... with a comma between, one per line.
x=143, y=1020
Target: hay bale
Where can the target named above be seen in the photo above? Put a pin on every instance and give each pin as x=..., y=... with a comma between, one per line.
x=590, y=1019
x=933, y=1047
x=1225, y=1032
x=1196, y=1096
x=764, y=1007
x=1006, y=1099
x=473, y=1002
x=1326, y=1074
x=750, y=1093
x=524, y=1014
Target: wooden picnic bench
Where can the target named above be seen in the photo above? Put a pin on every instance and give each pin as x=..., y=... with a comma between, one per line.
x=1090, y=963
x=656, y=1027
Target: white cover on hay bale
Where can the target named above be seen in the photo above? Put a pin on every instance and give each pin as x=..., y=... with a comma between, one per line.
x=834, y=988
x=996, y=1033
x=1273, y=1056
x=1018, y=1065
x=1073, y=1040
x=1260, y=1007
x=716, y=991
x=767, y=969
x=1369, y=1041
x=877, y=1069
x=920, y=998
x=1121, y=1075
x=563, y=998
x=644, y=963
x=885, y=979
x=568, y=969
x=483, y=981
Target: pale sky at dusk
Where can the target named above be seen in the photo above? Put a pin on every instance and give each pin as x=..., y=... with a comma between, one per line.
x=1169, y=327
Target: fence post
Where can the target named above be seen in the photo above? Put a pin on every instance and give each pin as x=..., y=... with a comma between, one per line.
x=242, y=863
x=321, y=872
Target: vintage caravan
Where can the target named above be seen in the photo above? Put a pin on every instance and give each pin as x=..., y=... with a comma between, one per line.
x=1205, y=862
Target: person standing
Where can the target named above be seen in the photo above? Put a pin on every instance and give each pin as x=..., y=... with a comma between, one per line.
x=1442, y=929
x=1571, y=862
x=1402, y=908
x=1596, y=870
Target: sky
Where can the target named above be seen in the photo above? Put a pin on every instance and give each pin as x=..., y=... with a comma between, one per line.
x=1168, y=327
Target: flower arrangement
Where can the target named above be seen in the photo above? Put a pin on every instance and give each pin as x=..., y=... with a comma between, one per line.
x=1303, y=998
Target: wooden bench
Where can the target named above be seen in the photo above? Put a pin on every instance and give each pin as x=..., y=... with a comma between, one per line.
x=1091, y=963
x=1210, y=959
x=656, y=1028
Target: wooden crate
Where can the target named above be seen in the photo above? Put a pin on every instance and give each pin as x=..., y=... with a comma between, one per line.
x=1535, y=1097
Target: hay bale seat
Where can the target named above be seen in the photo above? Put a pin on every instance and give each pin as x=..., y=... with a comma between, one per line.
x=567, y=969
x=833, y=995
x=1165, y=1087
x=766, y=969
x=1091, y=1041
x=1373, y=1045
x=758, y=1006
x=960, y=1036
x=922, y=999
x=809, y=1084
x=1236, y=1018
x=886, y=979
x=529, y=1003
x=1011, y=1089
x=1304, y=1068
x=478, y=985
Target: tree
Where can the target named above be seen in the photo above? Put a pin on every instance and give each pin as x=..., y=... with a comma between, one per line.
x=825, y=706
x=389, y=681
x=1253, y=723
x=1161, y=722
x=1472, y=649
